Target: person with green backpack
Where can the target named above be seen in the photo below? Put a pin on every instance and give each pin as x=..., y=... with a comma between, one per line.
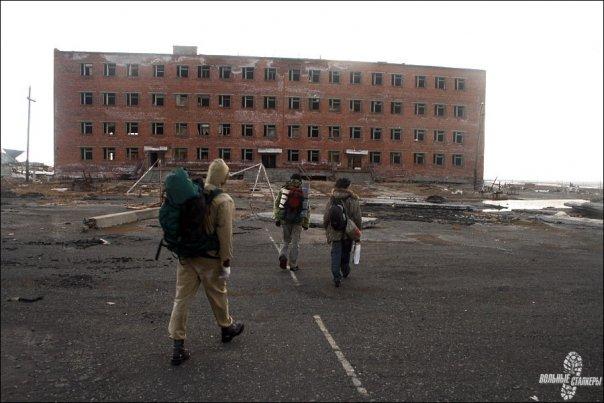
x=197, y=221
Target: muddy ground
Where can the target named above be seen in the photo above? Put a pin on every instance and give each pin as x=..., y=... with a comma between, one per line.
x=441, y=310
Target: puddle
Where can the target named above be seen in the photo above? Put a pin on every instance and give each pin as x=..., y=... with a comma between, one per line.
x=536, y=204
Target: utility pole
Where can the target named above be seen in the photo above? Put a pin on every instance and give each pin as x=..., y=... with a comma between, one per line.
x=29, y=101
x=480, y=129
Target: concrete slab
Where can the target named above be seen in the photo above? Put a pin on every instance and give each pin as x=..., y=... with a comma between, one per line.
x=398, y=203
x=111, y=220
x=316, y=220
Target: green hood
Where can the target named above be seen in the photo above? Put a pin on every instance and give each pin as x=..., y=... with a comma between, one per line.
x=179, y=187
x=293, y=183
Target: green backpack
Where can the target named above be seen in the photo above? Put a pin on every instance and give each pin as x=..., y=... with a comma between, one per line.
x=182, y=214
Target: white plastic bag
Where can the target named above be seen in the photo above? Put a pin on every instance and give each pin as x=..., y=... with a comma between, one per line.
x=357, y=252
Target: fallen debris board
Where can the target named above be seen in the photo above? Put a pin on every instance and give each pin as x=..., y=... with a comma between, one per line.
x=316, y=220
x=416, y=205
x=587, y=209
x=579, y=221
x=111, y=220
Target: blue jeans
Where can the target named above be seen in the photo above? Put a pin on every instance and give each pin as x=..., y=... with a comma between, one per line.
x=340, y=258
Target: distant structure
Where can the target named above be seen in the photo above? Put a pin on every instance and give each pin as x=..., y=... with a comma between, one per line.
x=119, y=113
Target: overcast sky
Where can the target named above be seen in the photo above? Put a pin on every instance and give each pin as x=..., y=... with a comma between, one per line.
x=543, y=61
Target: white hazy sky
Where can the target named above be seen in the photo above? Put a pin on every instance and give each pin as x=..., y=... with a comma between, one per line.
x=543, y=61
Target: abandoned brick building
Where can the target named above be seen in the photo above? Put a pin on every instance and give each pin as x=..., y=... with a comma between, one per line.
x=119, y=113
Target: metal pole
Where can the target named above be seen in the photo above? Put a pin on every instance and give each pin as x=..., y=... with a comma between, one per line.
x=29, y=101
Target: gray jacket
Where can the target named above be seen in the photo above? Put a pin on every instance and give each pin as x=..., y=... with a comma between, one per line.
x=352, y=208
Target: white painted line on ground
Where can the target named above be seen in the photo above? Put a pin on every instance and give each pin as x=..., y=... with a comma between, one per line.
x=345, y=364
x=296, y=282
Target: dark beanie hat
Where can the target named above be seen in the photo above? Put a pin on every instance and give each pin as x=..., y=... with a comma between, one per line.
x=343, y=183
x=296, y=176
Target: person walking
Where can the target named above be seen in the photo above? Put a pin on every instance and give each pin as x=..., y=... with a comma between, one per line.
x=341, y=244
x=211, y=268
x=291, y=212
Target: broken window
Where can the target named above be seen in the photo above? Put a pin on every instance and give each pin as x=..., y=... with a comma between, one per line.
x=294, y=103
x=157, y=99
x=132, y=128
x=224, y=72
x=86, y=98
x=109, y=98
x=293, y=131
x=132, y=70
x=439, y=136
x=224, y=129
x=247, y=130
x=459, y=111
x=355, y=132
x=396, y=108
x=420, y=109
x=355, y=105
x=86, y=127
x=376, y=106
x=182, y=99
x=419, y=134
x=247, y=154
x=109, y=128
x=377, y=78
x=395, y=134
x=334, y=77
x=270, y=131
x=396, y=80
x=457, y=160
x=355, y=77
x=420, y=81
x=109, y=69
x=395, y=158
x=247, y=101
x=440, y=83
x=86, y=153
x=294, y=75
x=109, y=153
x=203, y=71
x=203, y=153
x=376, y=133
x=419, y=158
x=314, y=103
x=181, y=129
x=158, y=70
x=132, y=153
x=460, y=84
x=334, y=105
x=293, y=155
x=86, y=69
x=224, y=153
x=224, y=101
x=182, y=71
x=438, y=159
x=270, y=102
x=247, y=73
x=132, y=98
x=458, y=137
x=439, y=110
x=270, y=74
x=375, y=157
x=313, y=132
x=203, y=129
x=314, y=76
x=333, y=157
x=157, y=128
x=203, y=100
x=313, y=155
x=180, y=154
x=334, y=132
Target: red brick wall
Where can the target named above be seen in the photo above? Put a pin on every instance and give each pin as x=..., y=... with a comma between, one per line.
x=69, y=113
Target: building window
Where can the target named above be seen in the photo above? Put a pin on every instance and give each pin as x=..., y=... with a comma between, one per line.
x=158, y=70
x=247, y=73
x=375, y=157
x=157, y=99
x=108, y=153
x=247, y=130
x=376, y=133
x=224, y=129
x=270, y=74
x=270, y=131
x=157, y=128
x=224, y=101
x=270, y=102
x=334, y=105
x=182, y=129
x=396, y=108
x=247, y=101
x=376, y=106
x=334, y=132
x=86, y=127
x=203, y=71
x=203, y=100
x=293, y=155
x=314, y=76
x=457, y=160
x=109, y=69
x=224, y=153
x=396, y=80
x=334, y=77
x=314, y=104
x=293, y=131
x=86, y=69
x=86, y=98
x=440, y=83
x=203, y=129
x=294, y=75
x=182, y=99
x=132, y=153
x=182, y=71
x=439, y=110
x=180, y=154
x=438, y=159
x=313, y=155
x=459, y=111
x=396, y=134
x=395, y=158
x=355, y=77
x=439, y=136
x=86, y=153
x=294, y=103
x=419, y=158
x=355, y=132
x=420, y=81
x=203, y=154
x=420, y=109
x=109, y=98
x=419, y=134
x=313, y=132
x=132, y=99
x=247, y=154
x=224, y=72
x=460, y=84
x=333, y=157
x=132, y=128
x=109, y=128
x=458, y=137
x=132, y=70
x=377, y=78
x=355, y=105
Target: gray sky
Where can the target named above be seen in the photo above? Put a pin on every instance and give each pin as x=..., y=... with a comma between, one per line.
x=543, y=61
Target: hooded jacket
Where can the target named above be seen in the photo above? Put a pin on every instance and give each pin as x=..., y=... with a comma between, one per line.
x=278, y=213
x=351, y=207
x=221, y=211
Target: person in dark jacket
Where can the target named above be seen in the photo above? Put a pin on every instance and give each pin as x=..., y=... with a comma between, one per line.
x=341, y=245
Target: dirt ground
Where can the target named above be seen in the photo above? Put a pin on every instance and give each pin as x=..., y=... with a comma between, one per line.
x=439, y=309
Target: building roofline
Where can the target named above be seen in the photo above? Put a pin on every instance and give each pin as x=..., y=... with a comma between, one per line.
x=273, y=58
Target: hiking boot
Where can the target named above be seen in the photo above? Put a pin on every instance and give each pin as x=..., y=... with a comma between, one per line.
x=283, y=262
x=231, y=331
x=345, y=271
x=295, y=268
x=337, y=282
x=179, y=356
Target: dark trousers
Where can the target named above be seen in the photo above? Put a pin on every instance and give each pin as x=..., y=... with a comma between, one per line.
x=340, y=258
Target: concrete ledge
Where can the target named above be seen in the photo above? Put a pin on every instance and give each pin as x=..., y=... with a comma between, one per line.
x=111, y=220
x=397, y=203
x=316, y=220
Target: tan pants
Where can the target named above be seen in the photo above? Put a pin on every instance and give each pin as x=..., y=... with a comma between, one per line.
x=191, y=272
